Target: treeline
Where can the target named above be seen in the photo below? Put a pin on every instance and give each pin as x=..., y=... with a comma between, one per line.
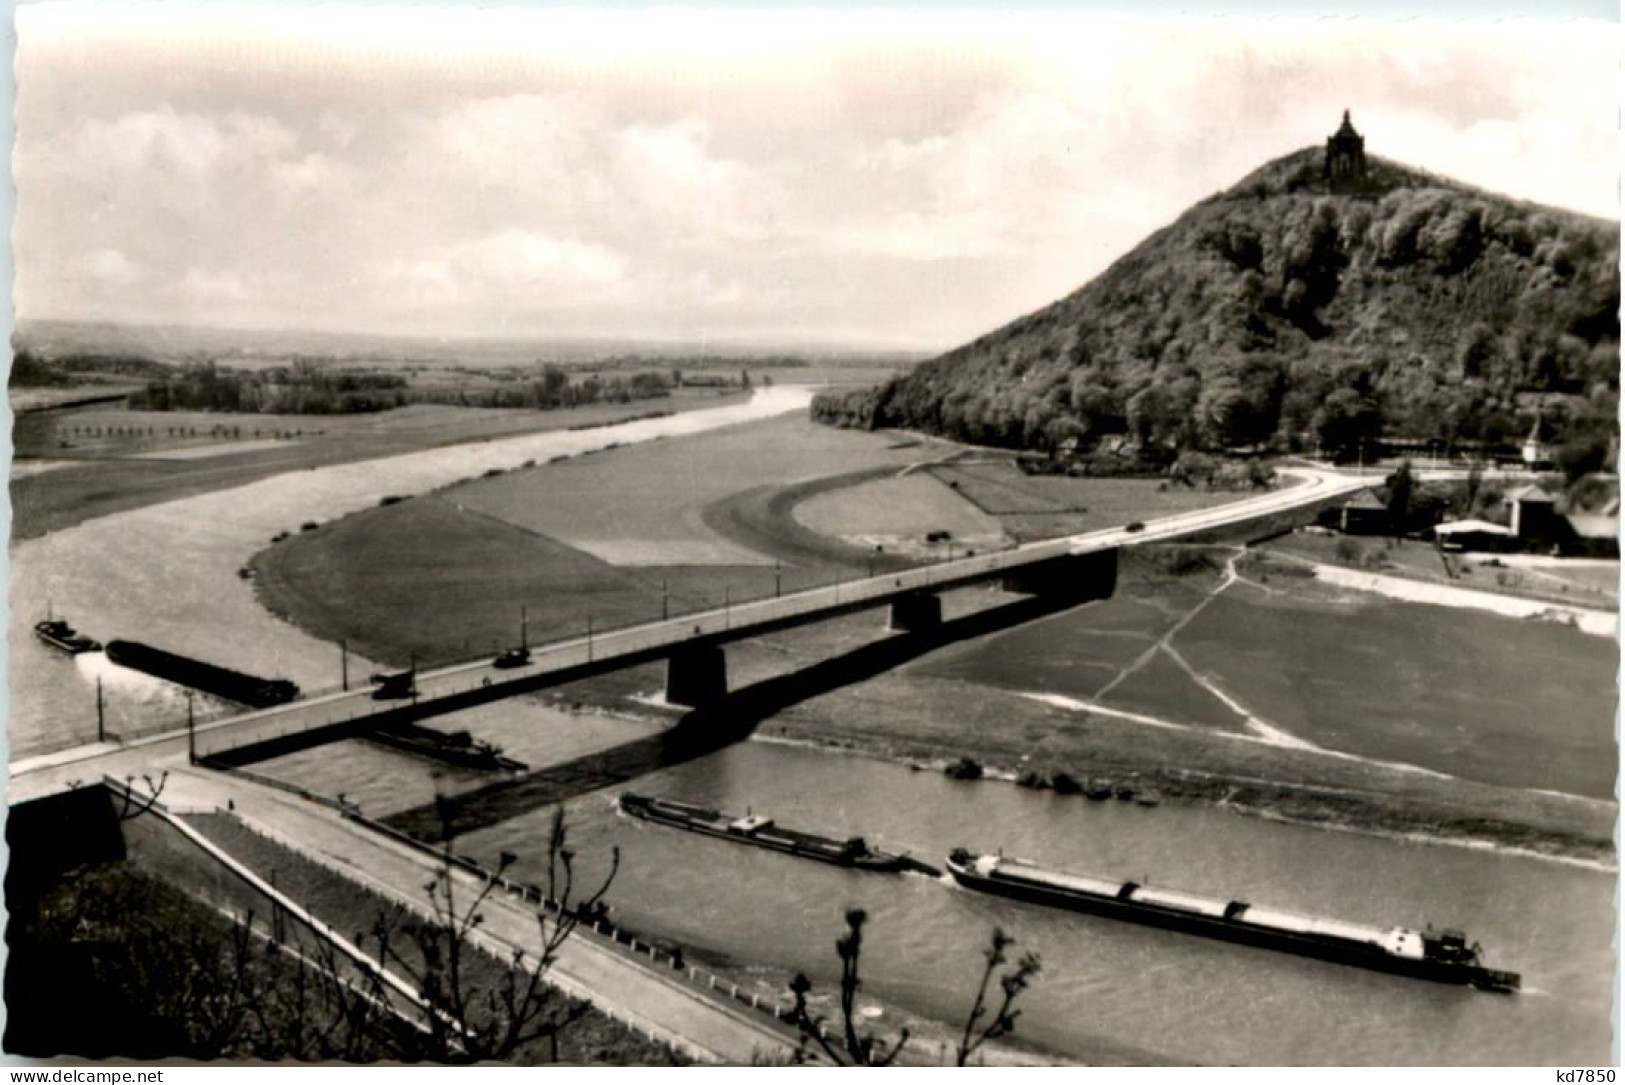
x=553, y=389
x=1279, y=316
x=311, y=389
x=34, y=369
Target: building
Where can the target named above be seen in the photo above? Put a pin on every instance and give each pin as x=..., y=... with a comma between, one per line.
x=1536, y=454
x=1344, y=166
x=1534, y=516
x=1478, y=535
x=1361, y=514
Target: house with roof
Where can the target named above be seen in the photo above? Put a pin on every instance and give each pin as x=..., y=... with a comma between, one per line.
x=1476, y=535
x=1535, y=521
x=1361, y=514
x=1594, y=534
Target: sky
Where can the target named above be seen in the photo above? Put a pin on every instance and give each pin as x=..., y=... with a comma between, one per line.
x=858, y=177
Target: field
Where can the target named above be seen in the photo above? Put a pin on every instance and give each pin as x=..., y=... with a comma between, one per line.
x=1043, y=506
x=443, y=576
x=899, y=513
x=1579, y=583
x=113, y=474
x=1367, y=677
x=644, y=505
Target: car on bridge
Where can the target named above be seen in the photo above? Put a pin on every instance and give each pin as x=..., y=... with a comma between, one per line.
x=513, y=657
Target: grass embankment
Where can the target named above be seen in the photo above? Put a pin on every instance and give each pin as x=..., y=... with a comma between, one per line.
x=1032, y=507
x=644, y=505
x=444, y=576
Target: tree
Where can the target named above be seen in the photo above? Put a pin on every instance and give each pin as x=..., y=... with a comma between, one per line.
x=1344, y=422
x=1401, y=485
x=1011, y=984
x=474, y=1013
x=853, y=1047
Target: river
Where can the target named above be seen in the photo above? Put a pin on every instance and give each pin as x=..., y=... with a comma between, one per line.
x=1109, y=992
x=166, y=574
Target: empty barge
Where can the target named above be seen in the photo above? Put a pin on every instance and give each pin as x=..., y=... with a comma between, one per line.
x=1444, y=957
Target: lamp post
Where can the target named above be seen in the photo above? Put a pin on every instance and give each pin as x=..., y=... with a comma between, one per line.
x=191, y=731
x=101, y=719
x=665, y=601
x=778, y=578
x=344, y=663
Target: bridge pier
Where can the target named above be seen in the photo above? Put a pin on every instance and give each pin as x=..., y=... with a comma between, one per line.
x=915, y=613
x=1079, y=576
x=696, y=676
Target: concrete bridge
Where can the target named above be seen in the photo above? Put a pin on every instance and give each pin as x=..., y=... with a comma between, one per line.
x=1081, y=567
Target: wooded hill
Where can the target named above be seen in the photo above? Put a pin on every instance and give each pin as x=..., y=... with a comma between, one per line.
x=1283, y=314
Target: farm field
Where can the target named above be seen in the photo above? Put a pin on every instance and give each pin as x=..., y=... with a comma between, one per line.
x=899, y=513
x=644, y=505
x=1364, y=676
x=1032, y=507
x=1453, y=691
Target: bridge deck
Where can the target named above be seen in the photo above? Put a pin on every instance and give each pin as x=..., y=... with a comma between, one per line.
x=570, y=660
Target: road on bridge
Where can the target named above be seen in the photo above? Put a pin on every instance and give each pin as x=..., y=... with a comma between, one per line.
x=51, y=773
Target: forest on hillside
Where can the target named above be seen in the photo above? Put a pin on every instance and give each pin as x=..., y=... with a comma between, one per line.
x=1278, y=315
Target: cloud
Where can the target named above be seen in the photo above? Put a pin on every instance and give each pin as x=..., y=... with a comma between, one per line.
x=893, y=178
x=111, y=267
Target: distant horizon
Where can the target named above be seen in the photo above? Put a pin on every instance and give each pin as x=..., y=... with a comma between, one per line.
x=802, y=180
x=654, y=346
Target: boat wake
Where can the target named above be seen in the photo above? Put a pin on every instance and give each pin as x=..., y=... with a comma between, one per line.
x=122, y=684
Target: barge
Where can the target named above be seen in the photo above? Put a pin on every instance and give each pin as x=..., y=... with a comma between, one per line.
x=206, y=677
x=763, y=833
x=1444, y=956
x=64, y=638
x=451, y=747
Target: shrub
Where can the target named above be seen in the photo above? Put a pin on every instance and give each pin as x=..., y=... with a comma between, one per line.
x=964, y=769
x=1065, y=783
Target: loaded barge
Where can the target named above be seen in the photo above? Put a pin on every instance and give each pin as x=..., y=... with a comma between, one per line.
x=205, y=677
x=1444, y=957
x=760, y=831
x=451, y=747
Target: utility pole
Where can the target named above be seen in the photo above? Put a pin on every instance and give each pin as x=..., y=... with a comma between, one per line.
x=778, y=576
x=101, y=718
x=524, y=629
x=344, y=663
x=665, y=601
x=191, y=731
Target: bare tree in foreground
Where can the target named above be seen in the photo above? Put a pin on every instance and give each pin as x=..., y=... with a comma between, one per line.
x=979, y=1028
x=853, y=1047
x=480, y=1006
